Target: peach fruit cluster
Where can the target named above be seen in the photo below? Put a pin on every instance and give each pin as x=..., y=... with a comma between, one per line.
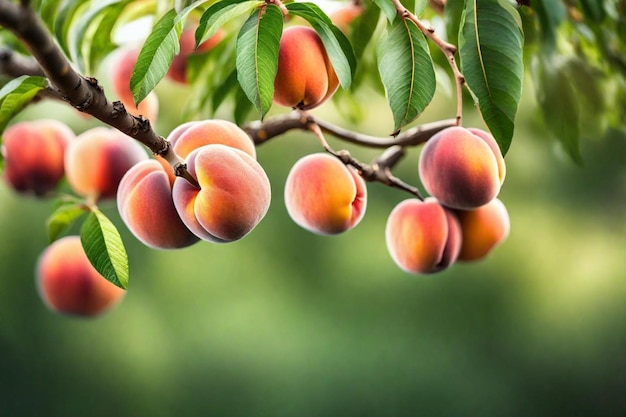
x=233, y=195
x=462, y=170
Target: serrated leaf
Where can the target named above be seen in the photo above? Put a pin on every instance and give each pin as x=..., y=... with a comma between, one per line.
x=104, y=248
x=558, y=103
x=221, y=12
x=16, y=94
x=158, y=51
x=337, y=46
x=62, y=218
x=406, y=70
x=388, y=9
x=490, y=48
x=257, y=56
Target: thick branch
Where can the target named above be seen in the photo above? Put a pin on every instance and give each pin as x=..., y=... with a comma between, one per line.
x=82, y=93
x=15, y=65
x=261, y=132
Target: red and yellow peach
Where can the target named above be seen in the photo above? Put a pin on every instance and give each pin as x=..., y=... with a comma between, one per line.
x=192, y=135
x=69, y=284
x=144, y=200
x=324, y=196
x=305, y=76
x=423, y=237
x=233, y=197
x=34, y=153
x=97, y=159
x=460, y=168
x=483, y=229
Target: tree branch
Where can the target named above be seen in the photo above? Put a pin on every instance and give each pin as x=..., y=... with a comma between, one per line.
x=261, y=132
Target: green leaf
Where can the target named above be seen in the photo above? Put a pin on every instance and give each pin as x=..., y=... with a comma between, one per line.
x=593, y=9
x=220, y=13
x=104, y=248
x=16, y=94
x=62, y=218
x=92, y=33
x=490, y=47
x=452, y=14
x=48, y=12
x=64, y=22
x=550, y=14
x=388, y=9
x=337, y=46
x=558, y=103
x=223, y=89
x=257, y=56
x=158, y=51
x=406, y=70
x=243, y=107
x=363, y=30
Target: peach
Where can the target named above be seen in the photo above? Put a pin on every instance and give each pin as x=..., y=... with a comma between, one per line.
x=122, y=65
x=423, y=237
x=178, y=68
x=69, y=284
x=324, y=196
x=98, y=159
x=491, y=141
x=305, y=76
x=460, y=169
x=233, y=197
x=34, y=152
x=192, y=135
x=343, y=16
x=144, y=200
x=483, y=229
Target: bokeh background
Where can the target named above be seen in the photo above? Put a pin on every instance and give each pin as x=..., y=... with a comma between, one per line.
x=287, y=323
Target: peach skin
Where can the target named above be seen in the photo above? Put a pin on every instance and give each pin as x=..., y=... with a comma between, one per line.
x=34, y=152
x=98, y=159
x=483, y=229
x=460, y=169
x=69, y=284
x=305, y=76
x=192, y=135
x=121, y=69
x=233, y=197
x=324, y=196
x=422, y=236
x=144, y=200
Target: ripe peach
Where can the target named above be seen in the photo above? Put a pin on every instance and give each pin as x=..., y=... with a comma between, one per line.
x=483, y=229
x=34, y=152
x=192, y=135
x=324, y=196
x=178, y=69
x=233, y=197
x=491, y=141
x=98, y=159
x=144, y=200
x=305, y=76
x=69, y=284
x=460, y=169
x=422, y=236
x=122, y=65
x=345, y=15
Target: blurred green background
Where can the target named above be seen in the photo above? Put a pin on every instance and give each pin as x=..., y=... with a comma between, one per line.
x=287, y=323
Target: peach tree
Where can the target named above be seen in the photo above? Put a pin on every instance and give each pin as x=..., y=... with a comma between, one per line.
x=202, y=181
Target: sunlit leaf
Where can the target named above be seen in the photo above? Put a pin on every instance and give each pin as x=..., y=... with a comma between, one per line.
x=220, y=13
x=16, y=94
x=387, y=8
x=104, y=248
x=406, y=70
x=257, y=56
x=490, y=47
